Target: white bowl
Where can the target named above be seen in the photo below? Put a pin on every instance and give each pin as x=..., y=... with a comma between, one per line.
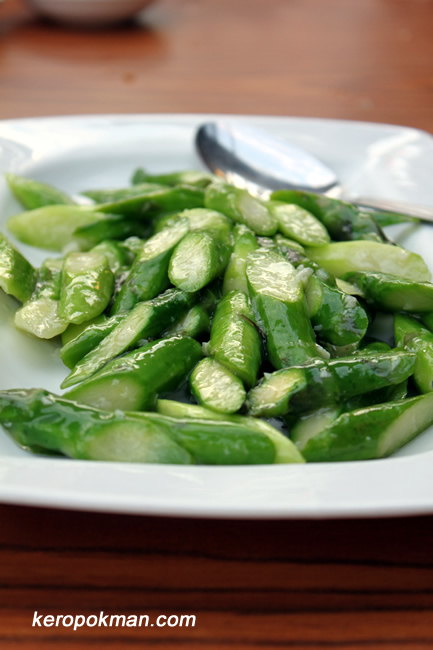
x=88, y=12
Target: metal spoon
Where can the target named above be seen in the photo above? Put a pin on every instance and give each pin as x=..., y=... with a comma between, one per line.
x=247, y=157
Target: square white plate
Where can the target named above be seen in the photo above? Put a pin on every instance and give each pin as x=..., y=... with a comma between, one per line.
x=77, y=153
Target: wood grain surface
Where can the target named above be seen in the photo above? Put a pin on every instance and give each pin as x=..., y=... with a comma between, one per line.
x=317, y=585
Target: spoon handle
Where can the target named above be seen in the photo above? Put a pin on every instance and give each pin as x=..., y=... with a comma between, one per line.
x=423, y=213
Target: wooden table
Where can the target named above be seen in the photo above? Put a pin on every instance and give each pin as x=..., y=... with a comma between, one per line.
x=319, y=584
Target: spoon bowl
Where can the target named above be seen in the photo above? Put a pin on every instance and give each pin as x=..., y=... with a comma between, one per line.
x=255, y=160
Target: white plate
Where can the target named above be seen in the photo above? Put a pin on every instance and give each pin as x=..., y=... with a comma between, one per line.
x=75, y=153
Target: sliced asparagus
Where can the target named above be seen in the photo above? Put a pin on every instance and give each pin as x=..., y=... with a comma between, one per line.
x=146, y=320
x=39, y=419
x=149, y=273
x=34, y=194
x=215, y=387
x=235, y=341
x=280, y=308
x=134, y=381
x=340, y=258
x=372, y=432
x=17, y=276
x=241, y=206
x=86, y=288
x=322, y=383
x=244, y=242
x=388, y=292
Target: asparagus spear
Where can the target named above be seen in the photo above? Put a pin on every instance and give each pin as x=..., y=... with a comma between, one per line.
x=285, y=450
x=188, y=177
x=388, y=292
x=337, y=317
x=88, y=338
x=309, y=424
x=86, y=287
x=299, y=224
x=241, y=206
x=148, y=204
x=204, y=253
x=321, y=383
x=244, y=242
x=33, y=194
x=373, y=432
x=53, y=227
x=134, y=381
x=115, y=253
x=109, y=226
x=340, y=258
x=40, y=315
x=235, y=341
x=37, y=418
x=215, y=387
x=75, y=329
x=281, y=310
x=411, y=335
x=17, y=275
x=113, y=195
x=194, y=323
x=287, y=246
x=149, y=272
x=342, y=220
x=146, y=320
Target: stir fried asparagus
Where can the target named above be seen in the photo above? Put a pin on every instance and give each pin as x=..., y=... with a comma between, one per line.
x=190, y=310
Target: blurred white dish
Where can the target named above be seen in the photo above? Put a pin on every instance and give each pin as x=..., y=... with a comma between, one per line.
x=88, y=12
x=74, y=153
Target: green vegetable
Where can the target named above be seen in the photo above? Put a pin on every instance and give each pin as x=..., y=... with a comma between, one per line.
x=261, y=279
x=17, y=275
x=149, y=272
x=311, y=424
x=412, y=336
x=75, y=329
x=343, y=221
x=53, y=227
x=323, y=383
x=345, y=257
x=392, y=293
x=134, y=381
x=235, y=341
x=244, y=242
x=288, y=247
x=197, y=260
x=109, y=226
x=88, y=338
x=148, y=204
x=241, y=206
x=286, y=452
x=33, y=194
x=195, y=323
x=120, y=194
x=299, y=224
x=87, y=284
x=116, y=254
x=336, y=316
x=147, y=319
x=221, y=442
x=386, y=218
x=281, y=310
x=40, y=315
x=215, y=387
x=189, y=177
x=38, y=418
x=373, y=432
